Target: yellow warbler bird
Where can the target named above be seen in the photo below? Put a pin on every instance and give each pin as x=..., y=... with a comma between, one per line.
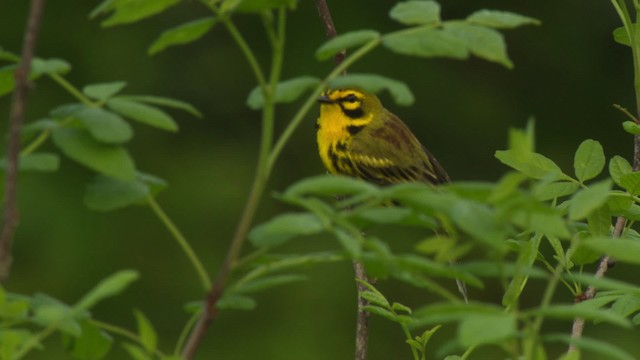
x=358, y=137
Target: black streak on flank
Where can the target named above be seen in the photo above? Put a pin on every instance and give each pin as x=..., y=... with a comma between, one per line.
x=334, y=158
x=353, y=129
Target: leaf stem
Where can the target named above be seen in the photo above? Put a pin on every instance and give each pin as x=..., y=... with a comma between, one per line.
x=182, y=241
x=117, y=330
x=71, y=89
x=407, y=334
x=35, y=340
x=246, y=50
x=532, y=339
x=184, y=334
x=259, y=182
x=36, y=143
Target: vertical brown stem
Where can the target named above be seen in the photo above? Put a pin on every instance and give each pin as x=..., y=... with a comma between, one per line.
x=18, y=107
x=330, y=29
x=362, y=321
x=578, y=323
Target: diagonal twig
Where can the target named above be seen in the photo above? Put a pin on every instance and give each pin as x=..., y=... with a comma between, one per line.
x=18, y=107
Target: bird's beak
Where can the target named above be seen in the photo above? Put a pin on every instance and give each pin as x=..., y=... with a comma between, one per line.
x=325, y=100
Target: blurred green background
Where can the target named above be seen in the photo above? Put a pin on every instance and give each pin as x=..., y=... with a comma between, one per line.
x=568, y=73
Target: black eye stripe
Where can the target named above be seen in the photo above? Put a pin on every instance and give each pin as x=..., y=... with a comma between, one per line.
x=351, y=98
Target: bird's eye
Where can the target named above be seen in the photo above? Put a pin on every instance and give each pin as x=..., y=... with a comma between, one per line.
x=351, y=98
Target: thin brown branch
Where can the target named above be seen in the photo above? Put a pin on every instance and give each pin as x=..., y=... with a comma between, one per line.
x=330, y=29
x=210, y=310
x=590, y=293
x=18, y=107
x=362, y=320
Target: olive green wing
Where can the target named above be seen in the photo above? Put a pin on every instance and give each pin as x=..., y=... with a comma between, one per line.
x=390, y=153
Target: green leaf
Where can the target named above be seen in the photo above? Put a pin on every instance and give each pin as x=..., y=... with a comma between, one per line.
x=283, y=228
x=236, y=302
x=44, y=162
x=619, y=202
x=582, y=310
x=374, y=298
x=351, y=244
x=506, y=187
x=382, y=312
x=329, y=185
x=110, y=160
x=605, y=283
x=621, y=36
x=589, y=160
x=103, y=91
x=622, y=249
x=500, y=19
x=148, y=335
x=426, y=42
x=143, y=113
x=479, y=221
x=13, y=339
x=539, y=219
x=7, y=79
x=399, y=91
x=631, y=127
x=106, y=193
x=8, y=56
x=584, y=256
x=482, y=42
x=182, y=34
x=599, y=222
x=345, y=41
x=548, y=191
x=586, y=201
x=129, y=11
x=257, y=6
x=48, y=311
x=440, y=313
x=136, y=352
x=92, y=344
x=267, y=282
x=36, y=127
x=626, y=305
x=526, y=257
x=108, y=287
x=532, y=164
x=416, y=12
x=286, y=91
x=426, y=336
x=473, y=329
x=618, y=167
x=429, y=267
x=592, y=346
x=631, y=182
x=163, y=101
x=104, y=125
x=400, y=307
x=49, y=66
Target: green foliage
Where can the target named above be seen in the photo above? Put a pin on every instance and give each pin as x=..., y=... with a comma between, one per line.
x=182, y=34
x=84, y=337
x=286, y=91
x=537, y=224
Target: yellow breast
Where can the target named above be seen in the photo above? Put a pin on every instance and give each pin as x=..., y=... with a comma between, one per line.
x=332, y=128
